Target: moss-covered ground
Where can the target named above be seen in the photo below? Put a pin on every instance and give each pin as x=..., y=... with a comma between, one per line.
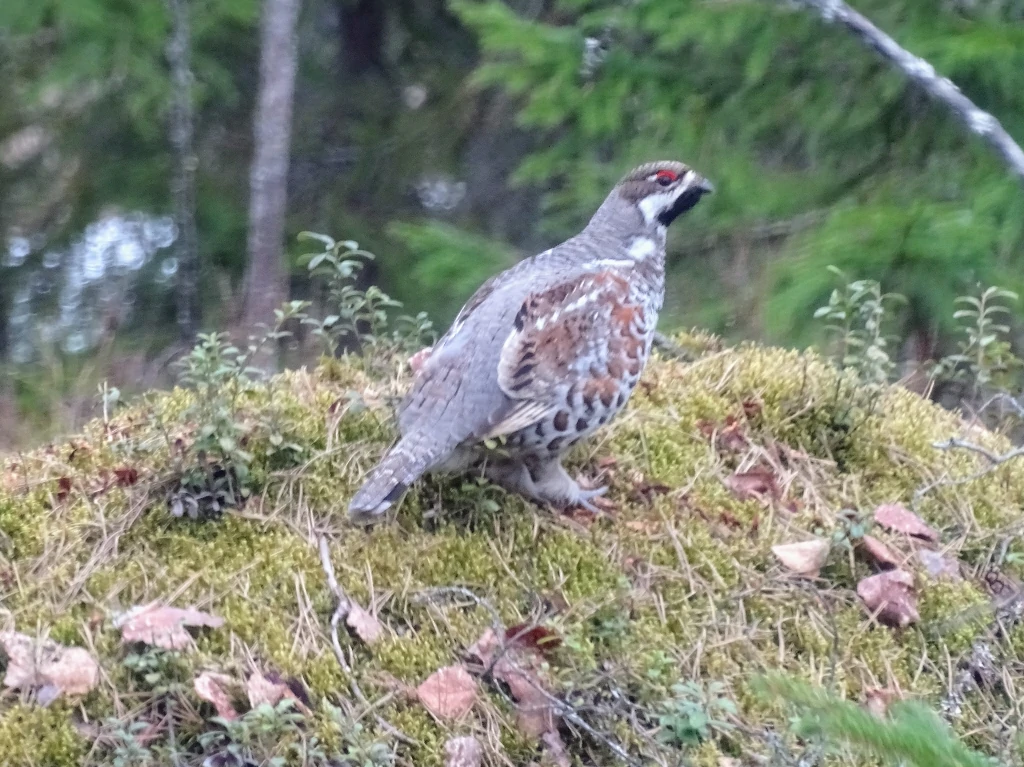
x=677, y=584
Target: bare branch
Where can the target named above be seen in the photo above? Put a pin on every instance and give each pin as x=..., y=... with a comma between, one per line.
x=978, y=121
x=344, y=604
x=995, y=460
x=561, y=707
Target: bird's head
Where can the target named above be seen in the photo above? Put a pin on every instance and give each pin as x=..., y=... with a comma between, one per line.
x=662, y=191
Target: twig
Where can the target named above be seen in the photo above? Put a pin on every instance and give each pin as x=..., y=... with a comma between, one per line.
x=995, y=460
x=978, y=121
x=565, y=710
x=344, y=604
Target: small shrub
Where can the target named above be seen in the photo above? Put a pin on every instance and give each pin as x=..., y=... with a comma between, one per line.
x=985, y=357
x=854, y=318
x=695, y=713
x=360, y=319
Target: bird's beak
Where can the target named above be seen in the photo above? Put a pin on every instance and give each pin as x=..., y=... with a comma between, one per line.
x=701, y=184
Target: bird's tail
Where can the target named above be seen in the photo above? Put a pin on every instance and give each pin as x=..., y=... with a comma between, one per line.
x=402, y=466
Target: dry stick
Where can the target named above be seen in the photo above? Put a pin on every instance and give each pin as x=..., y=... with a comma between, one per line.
x=995, y=460
x=978, y=121
x=340, y=613
x=563, y=709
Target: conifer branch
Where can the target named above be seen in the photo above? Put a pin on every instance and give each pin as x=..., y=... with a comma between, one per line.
x=978, y=121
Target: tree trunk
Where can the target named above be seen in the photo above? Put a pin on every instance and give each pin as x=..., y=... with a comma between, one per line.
x=266, y=281
x=183, y=186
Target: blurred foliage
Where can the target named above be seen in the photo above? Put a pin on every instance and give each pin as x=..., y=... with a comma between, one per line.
x=789, y=117
x=451, y=137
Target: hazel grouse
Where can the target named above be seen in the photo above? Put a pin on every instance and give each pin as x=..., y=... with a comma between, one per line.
x=544, y=353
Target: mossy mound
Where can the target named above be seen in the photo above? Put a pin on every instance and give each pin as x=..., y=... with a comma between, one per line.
x=678, y=584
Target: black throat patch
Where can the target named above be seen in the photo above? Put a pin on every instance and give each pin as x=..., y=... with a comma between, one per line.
x=683, y=203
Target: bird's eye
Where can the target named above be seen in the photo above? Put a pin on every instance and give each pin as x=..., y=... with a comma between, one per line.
x=665, y=177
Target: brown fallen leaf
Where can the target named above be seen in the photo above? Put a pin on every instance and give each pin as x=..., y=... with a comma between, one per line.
x=890, y=597
x=21, y=659
x=938, y=565
x=805, y=558
x=364, y=624
x=519, y=669
x=126, y=475
x=162, y=626
x=463, y=752
x=877, y=553
x=75, y=672
x=213, y=688
x=899, y=519
x=878, y=699
x=539, y=638
x=63, y=489
x=46, y=667
x=555, y=752
x=448, y=693
x=264, y=690
x=756, y=483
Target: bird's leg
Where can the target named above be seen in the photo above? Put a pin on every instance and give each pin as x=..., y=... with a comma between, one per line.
x=544, y=480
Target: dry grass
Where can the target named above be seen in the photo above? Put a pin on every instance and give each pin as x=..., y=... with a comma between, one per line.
x=677, y=584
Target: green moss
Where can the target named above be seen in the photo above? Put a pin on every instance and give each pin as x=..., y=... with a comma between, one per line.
x=672, y=586
x=39, y=737
x=954, y=614
x=22, y=525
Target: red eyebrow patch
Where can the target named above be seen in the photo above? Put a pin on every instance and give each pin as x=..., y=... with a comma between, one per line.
x=667, y=175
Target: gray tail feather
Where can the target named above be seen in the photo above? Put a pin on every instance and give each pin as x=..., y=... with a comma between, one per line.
x=402, y=466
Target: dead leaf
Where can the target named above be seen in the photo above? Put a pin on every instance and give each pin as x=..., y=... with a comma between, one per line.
x=554, y=750
x=519, y=669
x=938, y=565
x=756, y=483
x=485, y=648
x=878, y=699
x=539, y=638
x=877, y=553
x=21, y=659
x=48, y=668
x=463, y=752
x=126, y=475
x=890, y=597
x=63, y=489
x=75, y=672
x=213, y=688
x=260, y=690
x=805, y=558
x=364, y=624
x=448, y=693
x=161, y=626
x=898, y=519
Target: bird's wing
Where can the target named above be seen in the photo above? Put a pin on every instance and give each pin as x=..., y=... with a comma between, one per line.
x=586, y=331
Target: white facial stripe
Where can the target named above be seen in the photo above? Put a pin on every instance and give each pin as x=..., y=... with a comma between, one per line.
x=653, y=205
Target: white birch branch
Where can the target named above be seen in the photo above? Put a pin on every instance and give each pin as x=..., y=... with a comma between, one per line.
x=978, y=121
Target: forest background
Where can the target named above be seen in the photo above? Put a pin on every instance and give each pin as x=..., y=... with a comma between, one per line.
x=158, y=159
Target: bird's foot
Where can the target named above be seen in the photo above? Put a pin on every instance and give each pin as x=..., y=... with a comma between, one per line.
x=583, y=499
